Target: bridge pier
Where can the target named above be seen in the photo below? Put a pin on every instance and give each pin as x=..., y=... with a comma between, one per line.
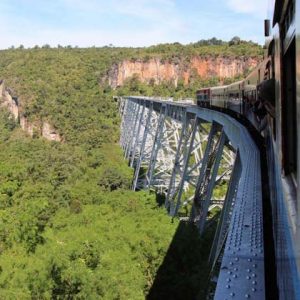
x=157, y=143
x=142, y=153
x=187, y=149
x=202, y=198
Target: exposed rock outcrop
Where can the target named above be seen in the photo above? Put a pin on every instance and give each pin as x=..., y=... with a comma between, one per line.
x=158, y=70
x=9, y=102
x=41, y=127
x=49, y=133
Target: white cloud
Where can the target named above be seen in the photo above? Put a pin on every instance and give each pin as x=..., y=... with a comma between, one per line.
x=138, y=8
x=126, y=22
x=254, y=7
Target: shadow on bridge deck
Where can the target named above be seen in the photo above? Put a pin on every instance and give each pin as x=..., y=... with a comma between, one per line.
x=185, y=270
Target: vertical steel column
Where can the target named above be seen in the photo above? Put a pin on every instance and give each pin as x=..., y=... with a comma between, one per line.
x=137, y=135
x=156, y=145
x=124, y=125
x=136, y=117
x=130, y=128
x=224, y=222
x=207, y=197
x=141, y=154
x=174, y=208
x=166, y=155
x=122, y=103
x=201, y=179
x=176, y=167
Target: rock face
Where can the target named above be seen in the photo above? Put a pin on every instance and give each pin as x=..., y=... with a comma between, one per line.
x=42, y=128
x=9, y=102
x=158, y=70
x=49, y=133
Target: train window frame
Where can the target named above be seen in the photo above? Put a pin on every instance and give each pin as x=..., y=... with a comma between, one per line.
x=289, y=114
x=288, y=25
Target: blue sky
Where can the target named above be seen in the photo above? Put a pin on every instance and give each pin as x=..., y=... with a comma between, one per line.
x=128, y=22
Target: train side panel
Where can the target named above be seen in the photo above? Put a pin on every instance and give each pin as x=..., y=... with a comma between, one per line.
x=219, y=96
x=235, y=96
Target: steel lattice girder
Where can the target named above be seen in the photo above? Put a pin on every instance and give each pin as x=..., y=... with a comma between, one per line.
x=242, y=266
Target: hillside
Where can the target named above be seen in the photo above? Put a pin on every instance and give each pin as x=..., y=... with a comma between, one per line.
x=70, y=226
x=50, y=83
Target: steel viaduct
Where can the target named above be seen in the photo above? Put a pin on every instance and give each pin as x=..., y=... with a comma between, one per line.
x=199, y=159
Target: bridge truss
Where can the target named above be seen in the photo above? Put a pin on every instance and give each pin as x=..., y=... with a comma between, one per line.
x=201, y=159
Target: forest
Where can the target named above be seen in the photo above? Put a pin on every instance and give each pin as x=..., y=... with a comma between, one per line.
x=70, y=226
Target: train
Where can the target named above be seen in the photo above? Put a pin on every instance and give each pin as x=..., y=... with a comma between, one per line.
x=269, y=98
x=252, y=97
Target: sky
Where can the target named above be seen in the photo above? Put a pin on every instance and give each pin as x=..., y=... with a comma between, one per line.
x=135, y=23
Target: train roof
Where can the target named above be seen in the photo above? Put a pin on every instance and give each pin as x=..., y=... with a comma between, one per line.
x=203, y=89
x=214, y=88
x=259, y=66
x=232, y=85
x=219, y=87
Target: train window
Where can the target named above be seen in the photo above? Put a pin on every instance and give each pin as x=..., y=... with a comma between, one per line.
x=289, y=115
x=289, y=17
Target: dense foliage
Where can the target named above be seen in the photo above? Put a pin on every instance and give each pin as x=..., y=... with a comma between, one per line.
x=69, y=226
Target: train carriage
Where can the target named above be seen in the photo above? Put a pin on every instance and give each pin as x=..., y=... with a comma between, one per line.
x=269, y=98
x=203, y=97
x=218, y=96
x=235, y=96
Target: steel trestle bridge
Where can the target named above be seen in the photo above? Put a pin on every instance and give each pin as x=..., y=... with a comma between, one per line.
x=201, y=159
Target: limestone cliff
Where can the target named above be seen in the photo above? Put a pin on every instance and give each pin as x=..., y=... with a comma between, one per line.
x=41, y=127
x=159, y=70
